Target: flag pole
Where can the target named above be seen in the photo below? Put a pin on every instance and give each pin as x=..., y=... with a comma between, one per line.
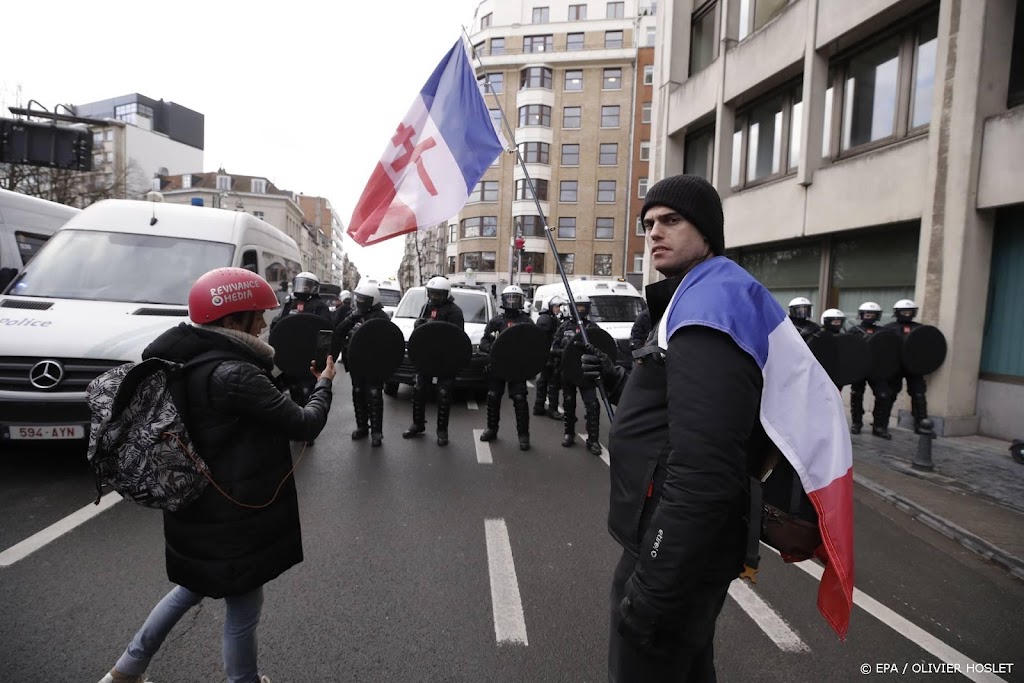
x=510, y=133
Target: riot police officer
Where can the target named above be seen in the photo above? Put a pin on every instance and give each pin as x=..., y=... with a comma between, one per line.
x=549, y=381
x=833, y=320
x=440, y=307
x=904, y=312
x=344, y=308
x=367, y=394
x=800, y=315
x=512, y=314
x=869, y=314
x=305, y=298
x=563, y=337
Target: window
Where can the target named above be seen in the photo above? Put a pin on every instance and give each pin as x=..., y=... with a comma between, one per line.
x=480, y=226
x=645, y=113
x=704, y=37
x=566, y=228
x=924, y=72
x=610, y=116
x=258, y=214
x=602, y=264
x=761, y=141
x=535, y=77
x=640, y=232
x=645, y=150
x=471, y=259
x=609, y=154
x=604, y=229
x=567, y=191
x=535, y=152
x=478, y=49
x=155, y=184
x=573, y=80
x=572, y=117
x=568, y=263
x=535, y=259
x=638, y=262
x=537, y=44
x=497, y=46
x=108, y=135
x=651, y=37
x=451, y=264
x=485, y=191
x=699, y=153
x=494, y=81
x=485, y=21
x=259, y=186
x=612, y=79
x=574, y=41
x=641, y=187
x=1015, y=95
x=795, y=122
x=756, y=13
x=612, y=39
x=577, y=12
x=539, y=184
x=530, y=226
x=480, y=261
x=535, y=115
x=787, y=272
x=496, y=118
x=186, y=181
x=223, y=183
x=453, y=234
x=649, y=74
x=570, y=155
x=874, y=266
x=606, y=190
x=616, y=10
x=869, y=94
x=541, y=15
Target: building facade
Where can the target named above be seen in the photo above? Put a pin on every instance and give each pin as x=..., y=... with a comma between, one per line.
x=423, y=256
x=867, y=150
x=319, y=215
x=565, y=75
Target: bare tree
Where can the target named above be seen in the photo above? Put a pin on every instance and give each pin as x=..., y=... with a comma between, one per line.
x=73, y=188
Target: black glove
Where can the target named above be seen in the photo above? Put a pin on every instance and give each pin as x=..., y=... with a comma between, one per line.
x=595, y=363
x=639, y=624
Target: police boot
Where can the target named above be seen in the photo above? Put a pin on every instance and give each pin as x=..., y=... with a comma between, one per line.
x=376, y=416
x=493, y=416
x=880, y=426
x=593, y=409
x=542, y=391
x=359, y=407
x=856, y=411
x=569, y=407
x=522, y=408
x=553, y=400
x=419, y=414
x=444, y=411
x=919, y=411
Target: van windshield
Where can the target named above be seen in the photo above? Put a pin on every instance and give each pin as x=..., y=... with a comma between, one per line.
x=616, y=309
x=474, y=306
x=390, y=297
x=114, y=266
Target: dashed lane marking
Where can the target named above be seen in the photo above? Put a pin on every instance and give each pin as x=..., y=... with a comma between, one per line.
x=483, y=449
x=21, y=550
x=509, y=623
x=604, y=451
x=471, y=404
x=769, y=621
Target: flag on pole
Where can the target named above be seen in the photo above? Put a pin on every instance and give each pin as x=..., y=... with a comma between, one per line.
x=801, y=409
x=435, y=158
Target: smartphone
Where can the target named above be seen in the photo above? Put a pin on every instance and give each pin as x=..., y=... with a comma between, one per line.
x=323, y=348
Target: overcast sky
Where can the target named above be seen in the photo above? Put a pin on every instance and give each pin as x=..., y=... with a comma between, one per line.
x=306, y=93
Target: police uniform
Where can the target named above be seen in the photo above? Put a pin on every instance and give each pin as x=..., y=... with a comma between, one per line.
x=548, y=382
x=511, y=302
x=592, y=407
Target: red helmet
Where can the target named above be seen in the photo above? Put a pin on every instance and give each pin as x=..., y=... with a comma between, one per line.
x=224, y=291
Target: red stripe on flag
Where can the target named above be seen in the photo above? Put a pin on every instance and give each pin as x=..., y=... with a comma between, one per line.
x=834, y=504
x=378, y=208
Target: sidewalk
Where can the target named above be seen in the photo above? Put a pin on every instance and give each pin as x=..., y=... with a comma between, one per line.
x=974, y=496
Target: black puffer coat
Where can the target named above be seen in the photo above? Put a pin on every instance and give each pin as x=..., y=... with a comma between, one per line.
x=241, y=425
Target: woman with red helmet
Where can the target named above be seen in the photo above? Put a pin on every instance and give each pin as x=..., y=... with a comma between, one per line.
x=241, y=425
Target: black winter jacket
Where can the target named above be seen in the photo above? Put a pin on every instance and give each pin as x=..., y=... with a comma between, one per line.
x=498, y=323
x=448, y=312
x=314, y=305
x=241, y=426
x=686, y=422
x=548, y=322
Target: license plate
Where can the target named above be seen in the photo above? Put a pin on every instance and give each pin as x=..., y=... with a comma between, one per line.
x=46, y=432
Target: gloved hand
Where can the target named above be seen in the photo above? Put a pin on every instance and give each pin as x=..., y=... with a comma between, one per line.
x=639, y=624
x=595, y=363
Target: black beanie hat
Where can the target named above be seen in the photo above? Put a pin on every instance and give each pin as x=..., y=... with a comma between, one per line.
x=694, y=199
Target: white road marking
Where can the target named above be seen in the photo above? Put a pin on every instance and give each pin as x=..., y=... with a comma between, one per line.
x=483, y=449
x=604, y=451
x=531, y=385
x=471, y=404
x=773, y=625
x=509, y=623
x=21, y=550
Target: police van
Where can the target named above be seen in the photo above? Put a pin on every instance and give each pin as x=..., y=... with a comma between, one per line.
x=102, y=288
x=25, y=225
x=614, y=307
x=390, y=292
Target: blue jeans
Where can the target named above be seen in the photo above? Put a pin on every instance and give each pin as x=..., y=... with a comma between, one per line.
x=243, y=616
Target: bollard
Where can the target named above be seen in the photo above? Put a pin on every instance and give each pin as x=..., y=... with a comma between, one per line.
x=923, y=458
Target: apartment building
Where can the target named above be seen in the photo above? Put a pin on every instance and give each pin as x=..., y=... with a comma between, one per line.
x=565, y=75
x=324, y=224
x=867, y=150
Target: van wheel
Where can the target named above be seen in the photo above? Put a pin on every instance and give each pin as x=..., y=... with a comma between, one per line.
x=391, y=388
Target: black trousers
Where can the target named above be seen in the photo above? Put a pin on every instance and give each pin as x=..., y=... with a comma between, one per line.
x=496, y=387
x=423, y=383
x=686, y=645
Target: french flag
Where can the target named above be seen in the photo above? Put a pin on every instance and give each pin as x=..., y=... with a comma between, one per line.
x=801, y=409
x=437, y=155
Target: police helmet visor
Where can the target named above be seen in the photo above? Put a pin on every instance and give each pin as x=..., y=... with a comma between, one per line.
x=305, y=287
x=363, y=302
x=905, y=313
x=869, y=315
x=835, y=324
x=802, y=312
x=512, y=301
x=436, y=296
x=583, y=308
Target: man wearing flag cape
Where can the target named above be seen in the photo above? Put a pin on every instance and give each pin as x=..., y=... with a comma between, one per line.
x=724, y=375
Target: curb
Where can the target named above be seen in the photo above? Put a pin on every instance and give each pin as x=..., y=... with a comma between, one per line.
x=1011, y=563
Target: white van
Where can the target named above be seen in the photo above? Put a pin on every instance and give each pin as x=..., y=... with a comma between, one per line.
x=390, y=292
x=101, y=289
x=25, y=225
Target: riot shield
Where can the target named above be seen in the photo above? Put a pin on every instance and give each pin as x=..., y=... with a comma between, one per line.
x=924, y=350
x=519, y=353
x=572, y=370
x=439, y=349
x=854, y=358
x=376, y=349
x=825, y=349
x=294, y=342
x=885, y=347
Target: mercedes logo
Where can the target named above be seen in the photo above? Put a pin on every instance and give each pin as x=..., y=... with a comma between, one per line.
x=46, y=374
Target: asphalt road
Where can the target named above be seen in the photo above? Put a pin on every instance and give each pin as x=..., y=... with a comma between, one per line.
x=403, y=578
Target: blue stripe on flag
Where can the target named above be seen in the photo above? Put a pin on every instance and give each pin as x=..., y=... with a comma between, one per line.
x=725, y=297
x=457, y=108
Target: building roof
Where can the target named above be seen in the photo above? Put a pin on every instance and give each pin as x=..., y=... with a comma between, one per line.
x=208, y=181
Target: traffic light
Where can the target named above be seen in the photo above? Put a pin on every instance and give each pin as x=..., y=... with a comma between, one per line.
x=45, y=144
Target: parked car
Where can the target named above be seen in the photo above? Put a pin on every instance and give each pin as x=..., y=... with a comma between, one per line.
x=477, y=308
